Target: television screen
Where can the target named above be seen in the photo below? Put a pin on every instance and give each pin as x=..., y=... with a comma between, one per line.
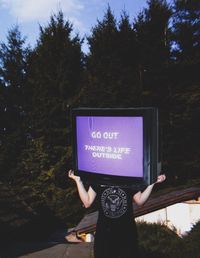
x=114, y=145
x=110, y=145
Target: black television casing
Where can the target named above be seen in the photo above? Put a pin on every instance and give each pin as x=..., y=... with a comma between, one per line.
x=151, y=157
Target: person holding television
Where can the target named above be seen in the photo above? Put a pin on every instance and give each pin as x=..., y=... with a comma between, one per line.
x=116, y=234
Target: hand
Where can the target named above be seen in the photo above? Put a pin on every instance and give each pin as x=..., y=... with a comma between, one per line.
x=161, y=178
x=72, y=176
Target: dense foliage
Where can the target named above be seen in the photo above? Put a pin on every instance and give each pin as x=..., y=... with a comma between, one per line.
x=152, y=61
x=159, y=241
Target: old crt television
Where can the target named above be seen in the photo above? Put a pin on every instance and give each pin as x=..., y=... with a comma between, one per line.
x=116, y=145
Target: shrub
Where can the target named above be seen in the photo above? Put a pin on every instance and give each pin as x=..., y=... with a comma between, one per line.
x=156, y=240
x=191, y=242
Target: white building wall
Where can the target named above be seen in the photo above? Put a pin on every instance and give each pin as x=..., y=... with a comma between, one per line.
x=180, y=216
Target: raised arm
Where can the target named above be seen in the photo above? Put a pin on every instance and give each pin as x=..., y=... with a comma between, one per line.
x=87, y=197
x=141, y=197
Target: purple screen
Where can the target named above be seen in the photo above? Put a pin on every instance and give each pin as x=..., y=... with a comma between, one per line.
x=110, y=145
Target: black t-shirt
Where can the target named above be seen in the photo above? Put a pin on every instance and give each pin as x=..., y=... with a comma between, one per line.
x=116, y=232
x=115, y=205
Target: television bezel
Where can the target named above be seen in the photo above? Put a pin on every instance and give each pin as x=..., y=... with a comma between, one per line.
x=151, y=163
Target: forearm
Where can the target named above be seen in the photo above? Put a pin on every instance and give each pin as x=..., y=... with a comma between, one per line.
x=84, y=196
x=146, y=193
x=143, y=197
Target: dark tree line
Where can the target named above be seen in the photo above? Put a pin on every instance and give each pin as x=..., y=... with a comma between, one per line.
x=153, y=60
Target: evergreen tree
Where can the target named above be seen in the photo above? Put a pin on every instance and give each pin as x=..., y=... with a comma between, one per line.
x=111, y=73
x=186, y=29
x=152, y=29
x=53, y=79
x=13, y=68
x=185, y=91
x=54, y=76
x=101, y=62
x=128, y=92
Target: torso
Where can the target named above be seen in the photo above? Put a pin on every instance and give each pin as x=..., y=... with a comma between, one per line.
x=115, y=205
x=116, y=229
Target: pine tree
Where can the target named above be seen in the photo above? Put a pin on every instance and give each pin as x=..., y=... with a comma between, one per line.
x=101, y=62
x=13, y=66
x=185, y=91
x=111, y=63
x=53, y=79
x=54, y=75
x=152, y=29
x=128, y=92
x=186, y=30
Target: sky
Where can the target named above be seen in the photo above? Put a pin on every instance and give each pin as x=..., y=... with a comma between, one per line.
x=83, y=14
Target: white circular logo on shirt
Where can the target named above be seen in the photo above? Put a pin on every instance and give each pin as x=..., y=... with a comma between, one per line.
x=114, y=202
